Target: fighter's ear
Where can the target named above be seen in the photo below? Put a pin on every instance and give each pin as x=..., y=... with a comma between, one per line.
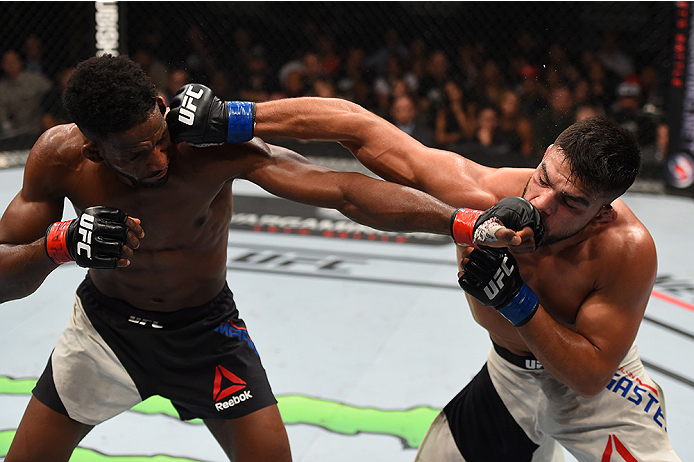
x=161, y=104
x=91, y=151
x=605, y=216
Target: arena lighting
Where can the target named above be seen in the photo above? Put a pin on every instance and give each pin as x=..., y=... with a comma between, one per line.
x=106, y=28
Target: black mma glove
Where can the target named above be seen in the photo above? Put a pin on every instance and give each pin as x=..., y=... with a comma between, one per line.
x=197, y=116
x=93, y=240
x=469, y=226
x=492, y=277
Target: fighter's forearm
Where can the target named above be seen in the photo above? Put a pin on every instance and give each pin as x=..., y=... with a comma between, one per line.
x=328, y=119
x=392, y=207
x=22, y=269
x=568, y=356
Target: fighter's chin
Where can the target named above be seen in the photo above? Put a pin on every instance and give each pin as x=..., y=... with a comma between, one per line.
x=154, y=183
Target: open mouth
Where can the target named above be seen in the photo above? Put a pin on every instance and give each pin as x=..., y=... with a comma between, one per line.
x=160, y=175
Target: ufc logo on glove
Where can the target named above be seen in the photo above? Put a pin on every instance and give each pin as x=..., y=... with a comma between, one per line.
x=497, y=282
x=85, y=231
x=186, y=113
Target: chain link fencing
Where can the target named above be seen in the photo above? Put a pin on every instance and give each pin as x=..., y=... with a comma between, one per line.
x=447, y=72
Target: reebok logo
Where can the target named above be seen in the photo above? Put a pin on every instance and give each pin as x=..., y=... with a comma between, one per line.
x=232, y=384
x=614, y=444
x=85, y=232
x=186, y=113
x=497, y=282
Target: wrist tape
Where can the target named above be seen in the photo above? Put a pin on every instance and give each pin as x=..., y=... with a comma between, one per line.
x=463, y=225
x=56, y=242
x=241, y=121
x=521, y=308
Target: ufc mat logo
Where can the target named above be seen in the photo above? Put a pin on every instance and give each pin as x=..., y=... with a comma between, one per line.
x=497, y=282
x=85, y=232
x=186, y=113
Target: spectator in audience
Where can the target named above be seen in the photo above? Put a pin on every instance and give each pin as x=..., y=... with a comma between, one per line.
x=586, y=111
x=383, y=85
x=628, y=114
x=527, y=51
x=54, y=113
x=313, y=68
x=33, y=55
x=532, y=92
x=155, y=68
x=514, y=127
x=602, y=83
x=431, y=87
x=468, y=63
x=21, y=97
x=353, y=81
x=293, y=84
x=652, y=94
x=487, y=136
x=491, y=83
x=554, y=119
x=259, y=82
x=392, y=46
x=329, y=58
x=558, y=63
x=241, y=50
x=222, y=85
x=403, y=114
x=177, y=78
x=455, y=118
x=417, y=60
x=324, y=88
x=199, y=62
x=612, y=57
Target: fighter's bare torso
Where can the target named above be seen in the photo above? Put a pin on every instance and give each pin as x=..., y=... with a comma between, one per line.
x=181, y=261
x=566, y=274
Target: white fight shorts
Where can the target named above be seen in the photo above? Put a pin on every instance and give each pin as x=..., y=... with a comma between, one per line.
x=514, y=410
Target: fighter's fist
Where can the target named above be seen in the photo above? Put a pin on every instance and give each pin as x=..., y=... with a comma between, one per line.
x=492, y=277
x=95, y=239
x=498, y=223
x=197, y=116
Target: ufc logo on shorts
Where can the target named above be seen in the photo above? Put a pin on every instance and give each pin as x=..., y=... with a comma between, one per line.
x=186, y=113
x=85, y=232
x=497, y=282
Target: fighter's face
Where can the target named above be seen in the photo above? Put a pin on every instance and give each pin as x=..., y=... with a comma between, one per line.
x=140, y=155
x=564, y=205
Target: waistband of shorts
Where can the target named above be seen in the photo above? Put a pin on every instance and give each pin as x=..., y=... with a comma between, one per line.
x=528, y=362
x=87, y=291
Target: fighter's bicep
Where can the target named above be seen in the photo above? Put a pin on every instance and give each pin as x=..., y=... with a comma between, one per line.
x=610, y=320
x=25, y=220
x=287, y=174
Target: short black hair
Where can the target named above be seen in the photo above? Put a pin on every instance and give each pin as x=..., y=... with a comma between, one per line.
x=604, y=157
x=108, y=94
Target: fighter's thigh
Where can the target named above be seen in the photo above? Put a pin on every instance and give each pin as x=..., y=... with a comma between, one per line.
x=438, y=444
x=256, y=437
x=44, y=435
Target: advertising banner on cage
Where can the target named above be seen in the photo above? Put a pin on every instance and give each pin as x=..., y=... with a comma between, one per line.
x=107, y=35
x=679, y=165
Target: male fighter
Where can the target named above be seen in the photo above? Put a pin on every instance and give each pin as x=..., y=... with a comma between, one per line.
x=562, y=316
x=154, y=314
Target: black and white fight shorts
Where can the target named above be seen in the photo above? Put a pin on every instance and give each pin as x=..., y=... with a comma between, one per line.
x=514, y=410
x=111, y=356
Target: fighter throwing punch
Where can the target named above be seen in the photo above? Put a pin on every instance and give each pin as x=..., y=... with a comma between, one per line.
x=147, y=317
x=562, y=317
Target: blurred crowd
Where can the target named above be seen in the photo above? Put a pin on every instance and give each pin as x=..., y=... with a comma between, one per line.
x=469, y=100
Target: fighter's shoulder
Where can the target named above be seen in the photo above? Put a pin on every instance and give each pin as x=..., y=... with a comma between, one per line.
x=505, y=181
x=59, y=146
x=55, y=156
x=628, y=239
